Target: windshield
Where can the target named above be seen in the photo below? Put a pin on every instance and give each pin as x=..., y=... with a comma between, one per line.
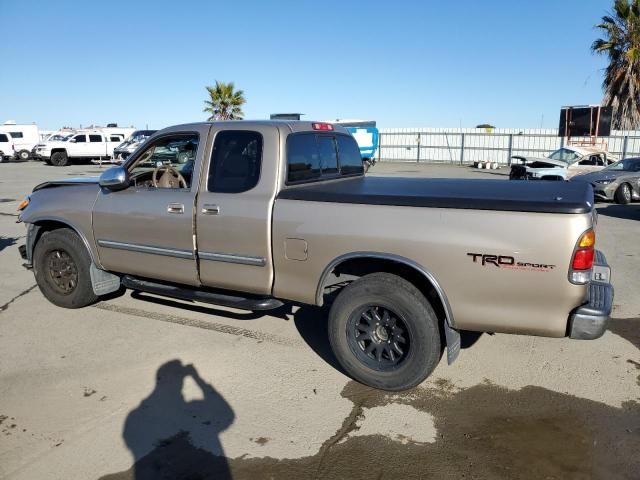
x=140, y=135
x=626, y=165
x=565, y=155
x=59, y=137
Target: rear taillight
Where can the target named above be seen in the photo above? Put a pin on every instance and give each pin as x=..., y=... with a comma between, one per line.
x=583, y=256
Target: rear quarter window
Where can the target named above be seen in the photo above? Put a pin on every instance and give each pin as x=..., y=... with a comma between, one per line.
x=16, y=134
x=95, y=138
x=350, y=158
x=315, y=156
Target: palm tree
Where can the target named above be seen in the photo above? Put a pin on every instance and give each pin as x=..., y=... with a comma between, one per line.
x=621, y=43
x=224, y=102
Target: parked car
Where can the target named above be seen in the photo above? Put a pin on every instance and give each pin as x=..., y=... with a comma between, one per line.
x=126, y=148
x=7, y=148
x=24, y=136
x=252, y=215
x=80, y=146
x=562, y=164
x=619, y=181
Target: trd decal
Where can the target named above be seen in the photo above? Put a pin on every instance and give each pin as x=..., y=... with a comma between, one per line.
x=507, y=261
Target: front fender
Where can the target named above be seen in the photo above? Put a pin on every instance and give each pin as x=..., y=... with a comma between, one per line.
x=69, y=206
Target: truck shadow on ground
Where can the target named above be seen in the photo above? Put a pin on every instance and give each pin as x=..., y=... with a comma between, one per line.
x=312, y=326
x=625, y=212
x=7, y=242
x=163, y=431
x=310, y=321
x=627, y=328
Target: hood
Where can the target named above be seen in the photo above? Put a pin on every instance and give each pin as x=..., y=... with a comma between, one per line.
x=67, y=181
x=525, y=160
x=600, y=175
x=54, y=143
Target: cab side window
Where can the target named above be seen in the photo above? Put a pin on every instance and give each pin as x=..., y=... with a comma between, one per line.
x=3, y=138
x=95, y=138
x=235, y=162
x=80, y=138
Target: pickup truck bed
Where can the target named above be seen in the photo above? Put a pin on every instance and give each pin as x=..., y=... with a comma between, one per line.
x=544, y=197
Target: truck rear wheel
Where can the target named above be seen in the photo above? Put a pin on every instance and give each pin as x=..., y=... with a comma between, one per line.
x=61, y=266
x=60, y=159
x=24, y=155
x=384, y=332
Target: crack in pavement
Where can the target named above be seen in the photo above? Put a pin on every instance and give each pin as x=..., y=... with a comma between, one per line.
x=192, y=322
x=21, y=294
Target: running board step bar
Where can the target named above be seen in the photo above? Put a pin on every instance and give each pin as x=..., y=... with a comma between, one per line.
x=206, y=296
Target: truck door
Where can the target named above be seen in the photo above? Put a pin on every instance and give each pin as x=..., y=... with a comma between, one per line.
x=147, y=230
x=81, y=147
x=234, y=208
x=98, y=145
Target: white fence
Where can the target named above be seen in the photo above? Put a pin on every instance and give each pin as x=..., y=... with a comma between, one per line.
x=468, y=145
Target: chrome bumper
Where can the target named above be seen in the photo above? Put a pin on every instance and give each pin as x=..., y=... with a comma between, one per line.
x=590, y=320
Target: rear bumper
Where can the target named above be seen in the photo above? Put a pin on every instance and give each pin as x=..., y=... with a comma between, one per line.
x=590, y=321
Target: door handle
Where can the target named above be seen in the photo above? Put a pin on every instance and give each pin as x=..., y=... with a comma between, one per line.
x=175, y=208
x=210, y=209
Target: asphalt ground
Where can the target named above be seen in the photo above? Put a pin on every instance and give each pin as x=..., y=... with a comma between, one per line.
x=138, y=387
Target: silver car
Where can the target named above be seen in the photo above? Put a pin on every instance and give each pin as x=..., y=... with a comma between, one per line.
x=619, y=181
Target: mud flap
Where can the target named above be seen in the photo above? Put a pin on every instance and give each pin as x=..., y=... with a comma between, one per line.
x=103, y=282
x=453, y=342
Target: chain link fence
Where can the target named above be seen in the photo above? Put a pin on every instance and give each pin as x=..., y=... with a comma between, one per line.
x=466, y=146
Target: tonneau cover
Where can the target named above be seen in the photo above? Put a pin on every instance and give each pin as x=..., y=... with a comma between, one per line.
x=476, y=194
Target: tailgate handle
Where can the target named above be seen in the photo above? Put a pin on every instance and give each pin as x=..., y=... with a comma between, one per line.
x=210, y=209
x=175, y=208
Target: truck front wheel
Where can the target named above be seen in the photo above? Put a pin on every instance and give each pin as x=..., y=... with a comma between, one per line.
x=384, y=332
x=61, y=265
x=60, y=159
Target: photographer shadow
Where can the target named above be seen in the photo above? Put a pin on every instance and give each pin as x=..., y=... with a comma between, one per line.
x=171, y=438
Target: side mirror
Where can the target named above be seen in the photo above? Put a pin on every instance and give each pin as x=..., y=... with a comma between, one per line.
x=116, y=178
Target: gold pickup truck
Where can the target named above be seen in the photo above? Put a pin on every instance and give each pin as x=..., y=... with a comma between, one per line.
x=253, y=215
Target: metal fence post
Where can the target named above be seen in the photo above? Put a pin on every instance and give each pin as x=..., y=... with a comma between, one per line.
x=625, y=144
x=461, y=148
x=510, y=149
x=418, y=154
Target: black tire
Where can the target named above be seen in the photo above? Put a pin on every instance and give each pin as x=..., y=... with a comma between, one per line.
x=23, y=155
x=60, y=159
x=623, y=194
x=61, y=265
x=407, y=311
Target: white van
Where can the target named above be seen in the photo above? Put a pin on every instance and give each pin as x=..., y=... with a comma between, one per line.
x=25, y=137
x=7, y=148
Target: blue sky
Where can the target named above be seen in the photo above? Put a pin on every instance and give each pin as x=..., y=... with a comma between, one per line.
x=402, y=63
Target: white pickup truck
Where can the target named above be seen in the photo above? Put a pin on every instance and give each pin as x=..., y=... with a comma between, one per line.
x=81, y=146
